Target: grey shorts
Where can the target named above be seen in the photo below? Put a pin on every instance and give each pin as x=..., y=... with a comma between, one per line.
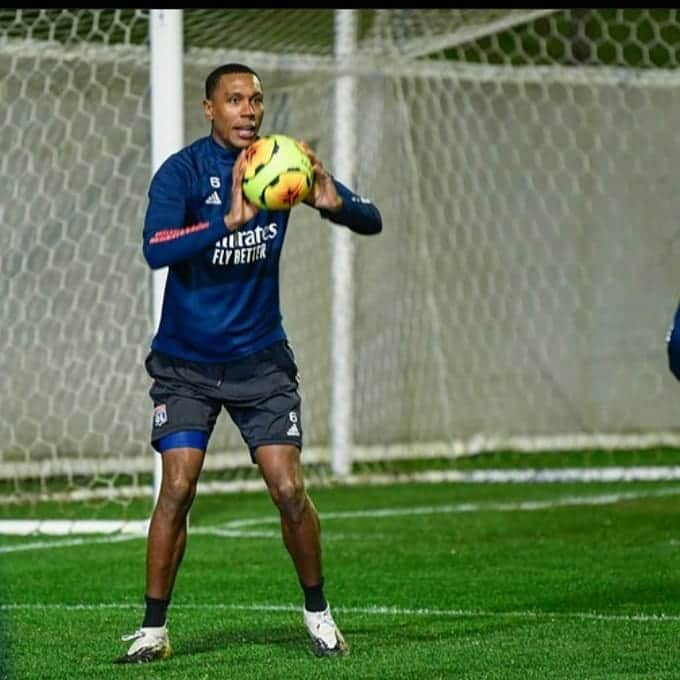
x=259, y=391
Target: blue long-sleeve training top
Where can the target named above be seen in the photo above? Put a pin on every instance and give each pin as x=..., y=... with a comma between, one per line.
x=221, y=298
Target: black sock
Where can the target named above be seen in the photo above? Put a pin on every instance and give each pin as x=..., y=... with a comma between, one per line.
x=314, y=597
x=155, y=612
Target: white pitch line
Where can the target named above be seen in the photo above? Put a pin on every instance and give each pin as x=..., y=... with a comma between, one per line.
x=204, y=531
x=42, y=545
x=119, y=538
x=601, y=499
x=233, y=533
x=231, y=529
x=374, y=610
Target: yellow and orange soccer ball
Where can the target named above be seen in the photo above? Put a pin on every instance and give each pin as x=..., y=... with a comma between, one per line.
x=277, y=174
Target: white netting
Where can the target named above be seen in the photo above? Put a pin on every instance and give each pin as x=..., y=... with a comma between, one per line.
x=74, y=300
x=524, y=165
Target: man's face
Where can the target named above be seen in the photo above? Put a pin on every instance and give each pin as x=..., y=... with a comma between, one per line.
x=235, y=109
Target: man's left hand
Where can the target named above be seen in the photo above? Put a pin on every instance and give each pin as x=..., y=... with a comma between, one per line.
x=323, y=194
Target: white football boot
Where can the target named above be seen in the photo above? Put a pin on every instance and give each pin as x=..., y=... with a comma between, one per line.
x=148, y=644
x=327, y=639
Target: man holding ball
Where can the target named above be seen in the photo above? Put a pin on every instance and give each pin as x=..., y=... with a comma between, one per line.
x=221, y=343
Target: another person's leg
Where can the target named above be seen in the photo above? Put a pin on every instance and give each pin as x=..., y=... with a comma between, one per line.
x=282, y=471
x=673, y=344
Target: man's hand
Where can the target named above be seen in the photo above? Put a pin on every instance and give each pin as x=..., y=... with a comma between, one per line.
x=323, y=194
x=241, y=209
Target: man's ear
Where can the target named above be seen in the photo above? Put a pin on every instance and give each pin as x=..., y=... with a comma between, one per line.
x=208, y=109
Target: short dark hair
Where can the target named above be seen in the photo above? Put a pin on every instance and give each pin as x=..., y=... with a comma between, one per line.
x=214, y=77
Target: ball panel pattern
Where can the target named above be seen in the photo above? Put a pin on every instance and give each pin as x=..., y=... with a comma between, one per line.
x=278, y=173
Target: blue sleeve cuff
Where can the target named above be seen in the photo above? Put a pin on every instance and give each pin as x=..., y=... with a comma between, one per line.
x=357, y=213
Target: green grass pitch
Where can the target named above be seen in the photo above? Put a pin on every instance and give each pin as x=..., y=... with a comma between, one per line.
x=500, y=581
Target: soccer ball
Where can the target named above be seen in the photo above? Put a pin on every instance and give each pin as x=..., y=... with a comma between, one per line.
x=277, y=174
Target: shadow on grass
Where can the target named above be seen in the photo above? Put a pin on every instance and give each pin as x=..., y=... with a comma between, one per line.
x=398, y=635
x=214, y=640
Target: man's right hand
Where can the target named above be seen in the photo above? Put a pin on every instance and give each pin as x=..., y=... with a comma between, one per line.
x=241, y=209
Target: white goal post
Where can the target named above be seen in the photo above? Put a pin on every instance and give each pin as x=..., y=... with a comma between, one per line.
x=518, y=297
x=167, y=128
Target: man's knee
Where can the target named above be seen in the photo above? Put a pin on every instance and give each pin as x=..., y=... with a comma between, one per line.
x=177, y=491
x=181, y=469
x=290, y=497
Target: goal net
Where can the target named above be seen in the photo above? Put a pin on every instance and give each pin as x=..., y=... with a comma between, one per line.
x=518, y=298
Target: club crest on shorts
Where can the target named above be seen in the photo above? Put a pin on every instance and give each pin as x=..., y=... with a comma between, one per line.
x=160, y=415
